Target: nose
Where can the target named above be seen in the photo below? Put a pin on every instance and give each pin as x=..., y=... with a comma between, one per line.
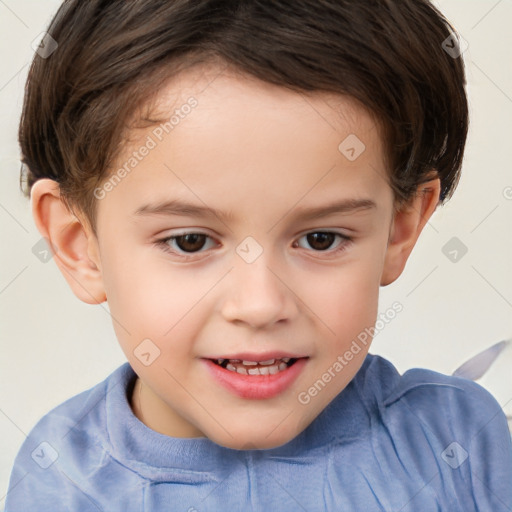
x=256, y=295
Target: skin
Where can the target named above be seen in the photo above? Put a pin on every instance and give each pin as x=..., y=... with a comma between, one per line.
x=262, y=153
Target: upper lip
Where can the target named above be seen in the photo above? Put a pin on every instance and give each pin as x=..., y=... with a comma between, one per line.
x=263, y=356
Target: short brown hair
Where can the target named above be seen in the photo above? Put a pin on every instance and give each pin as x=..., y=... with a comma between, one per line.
x=113, y=55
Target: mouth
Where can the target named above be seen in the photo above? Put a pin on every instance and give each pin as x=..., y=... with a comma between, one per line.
x=256, y=379
x=245, y=367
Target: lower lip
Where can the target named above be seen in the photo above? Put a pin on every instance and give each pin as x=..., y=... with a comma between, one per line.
x=256, y=386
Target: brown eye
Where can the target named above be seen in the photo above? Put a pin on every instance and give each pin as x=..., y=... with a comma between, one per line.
x=320, y=241
x=190, y=242
x=185, y=244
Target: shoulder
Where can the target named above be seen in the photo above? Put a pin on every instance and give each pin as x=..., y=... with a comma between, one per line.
x=433, y=395
x=444, y=422
x=421, y=387
x=83, y=409
x=71, y=434
x=434, y=398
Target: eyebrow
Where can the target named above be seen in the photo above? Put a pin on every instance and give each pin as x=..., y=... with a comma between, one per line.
x=182, y=208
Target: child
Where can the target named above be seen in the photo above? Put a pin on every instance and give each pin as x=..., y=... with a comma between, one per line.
x=262, y=130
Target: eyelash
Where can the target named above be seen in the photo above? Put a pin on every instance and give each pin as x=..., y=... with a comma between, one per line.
x=163, y=243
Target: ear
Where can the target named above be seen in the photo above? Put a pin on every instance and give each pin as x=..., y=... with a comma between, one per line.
x=74, y=246
x=406, y=226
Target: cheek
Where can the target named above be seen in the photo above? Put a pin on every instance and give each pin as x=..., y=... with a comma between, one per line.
x=148, y=297
x=353, y=307
x=347, y=303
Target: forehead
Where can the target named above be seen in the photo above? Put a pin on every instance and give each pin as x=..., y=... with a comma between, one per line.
x=224, y=88
x=220, y=133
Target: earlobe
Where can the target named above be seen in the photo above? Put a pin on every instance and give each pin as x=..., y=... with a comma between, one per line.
x=75, y=248
x=406, y=227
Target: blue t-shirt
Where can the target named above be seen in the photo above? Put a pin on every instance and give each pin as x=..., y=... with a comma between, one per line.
x=421, y=442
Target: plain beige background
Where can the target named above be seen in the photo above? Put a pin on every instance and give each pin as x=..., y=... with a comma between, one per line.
x=53, y=346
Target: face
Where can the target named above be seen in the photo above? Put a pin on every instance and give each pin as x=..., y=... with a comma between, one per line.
x=230, y=309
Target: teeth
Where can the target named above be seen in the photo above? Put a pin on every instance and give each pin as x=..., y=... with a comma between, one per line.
x=257, y=370
x=268, y=362
x=269, y=367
